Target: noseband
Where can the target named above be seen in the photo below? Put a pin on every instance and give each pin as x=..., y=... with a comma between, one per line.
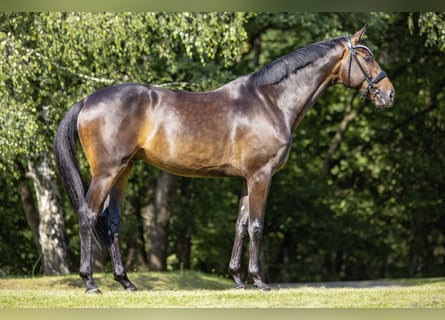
x=371, y=82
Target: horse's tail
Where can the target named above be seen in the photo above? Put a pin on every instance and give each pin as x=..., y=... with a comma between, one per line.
x=66, y=160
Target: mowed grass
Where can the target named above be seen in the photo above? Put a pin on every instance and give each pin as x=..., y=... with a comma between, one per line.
x=197, y=290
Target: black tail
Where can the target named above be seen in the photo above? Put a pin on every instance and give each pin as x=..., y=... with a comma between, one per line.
x=65, y=152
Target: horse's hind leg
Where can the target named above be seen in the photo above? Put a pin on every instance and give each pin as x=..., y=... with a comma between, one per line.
x=112, y=217
x=85, y=233
x=97, y=192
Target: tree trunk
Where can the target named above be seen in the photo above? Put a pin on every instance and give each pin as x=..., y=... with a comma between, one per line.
x=147, y=214
x=156, y=219
x=52, y=237
x=29, y=207
x=183, y=249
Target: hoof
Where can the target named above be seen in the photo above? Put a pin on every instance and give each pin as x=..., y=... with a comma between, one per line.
x=261, y=285
x=265, y=288
x=93, y=291
x=240, y=286
x=132, y=288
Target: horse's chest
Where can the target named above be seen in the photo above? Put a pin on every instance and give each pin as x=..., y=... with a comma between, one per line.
x=266, y=149
x=280, y=157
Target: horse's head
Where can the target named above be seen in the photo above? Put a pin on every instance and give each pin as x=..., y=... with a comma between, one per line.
x=360, y=71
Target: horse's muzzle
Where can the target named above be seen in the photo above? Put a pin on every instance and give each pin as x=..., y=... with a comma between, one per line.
x=384, y=98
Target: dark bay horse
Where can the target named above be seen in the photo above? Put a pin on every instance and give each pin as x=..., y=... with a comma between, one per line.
x=243, y=129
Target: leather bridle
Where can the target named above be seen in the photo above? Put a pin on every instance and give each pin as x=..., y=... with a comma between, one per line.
x=371, y=82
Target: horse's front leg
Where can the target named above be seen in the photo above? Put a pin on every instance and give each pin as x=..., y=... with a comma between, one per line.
x=240, y=234
x=258, y=188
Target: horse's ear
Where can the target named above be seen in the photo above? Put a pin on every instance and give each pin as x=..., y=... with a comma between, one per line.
x=358, y=36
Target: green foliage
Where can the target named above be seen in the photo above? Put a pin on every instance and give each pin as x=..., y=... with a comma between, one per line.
x=433, y=25
x=205, y=212
x=17, y=249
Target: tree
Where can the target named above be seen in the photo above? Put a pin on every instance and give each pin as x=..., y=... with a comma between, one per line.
x=52, y=240
x=156, y=219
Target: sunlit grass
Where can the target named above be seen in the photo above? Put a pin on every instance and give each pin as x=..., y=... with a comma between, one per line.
x=191, y=289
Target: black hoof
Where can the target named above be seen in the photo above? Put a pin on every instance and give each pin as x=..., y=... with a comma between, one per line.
x=93, y=291
x=131, y=288
x=261, y=285
x=240, y=286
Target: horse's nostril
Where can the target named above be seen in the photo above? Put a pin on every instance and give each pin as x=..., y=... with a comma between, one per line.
x=391, y=96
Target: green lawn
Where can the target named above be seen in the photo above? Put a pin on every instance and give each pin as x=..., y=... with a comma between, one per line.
x=192, y=289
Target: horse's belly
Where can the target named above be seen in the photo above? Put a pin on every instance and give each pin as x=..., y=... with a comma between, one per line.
x=189, y=156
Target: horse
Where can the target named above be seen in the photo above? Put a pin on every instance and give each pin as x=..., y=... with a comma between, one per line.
x=243, y=129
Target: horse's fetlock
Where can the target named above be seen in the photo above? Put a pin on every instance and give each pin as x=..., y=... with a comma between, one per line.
x=120, y=276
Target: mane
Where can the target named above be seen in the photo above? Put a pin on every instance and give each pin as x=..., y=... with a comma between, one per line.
x=281, y=68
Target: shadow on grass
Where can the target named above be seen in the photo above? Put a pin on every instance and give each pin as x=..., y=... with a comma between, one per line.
x=189, y=280
x=152, y=281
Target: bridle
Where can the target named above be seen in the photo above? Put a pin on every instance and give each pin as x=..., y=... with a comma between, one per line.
x=371, y=82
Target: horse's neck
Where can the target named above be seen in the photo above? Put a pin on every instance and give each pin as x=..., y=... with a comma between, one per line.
x=302, y=89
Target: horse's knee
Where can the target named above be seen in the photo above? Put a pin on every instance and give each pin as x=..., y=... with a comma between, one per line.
x=255, y=230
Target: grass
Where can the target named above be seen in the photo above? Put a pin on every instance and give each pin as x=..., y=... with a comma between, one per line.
x=197, y=290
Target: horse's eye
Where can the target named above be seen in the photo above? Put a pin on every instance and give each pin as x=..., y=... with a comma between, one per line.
x=368, y=58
